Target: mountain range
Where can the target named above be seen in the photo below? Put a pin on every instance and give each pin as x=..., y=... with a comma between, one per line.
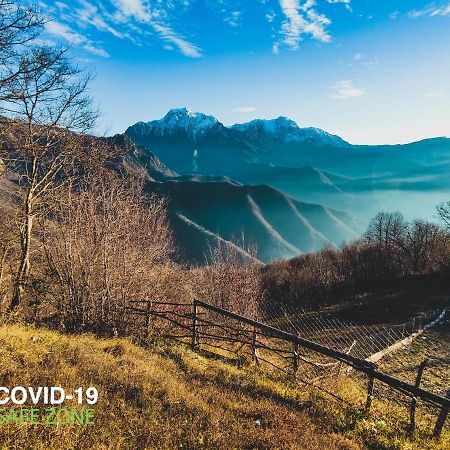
x=287, y=190
x=307, y=164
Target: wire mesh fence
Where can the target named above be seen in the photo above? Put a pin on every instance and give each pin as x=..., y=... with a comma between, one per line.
x=339, y=365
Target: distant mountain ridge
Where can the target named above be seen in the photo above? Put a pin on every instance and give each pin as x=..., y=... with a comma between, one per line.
x=257, y=176
x=195, y=142
x=286, y=130
x=190, y=142
x=280, y=227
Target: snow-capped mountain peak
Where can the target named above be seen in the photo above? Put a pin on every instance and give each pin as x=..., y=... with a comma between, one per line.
x=184, y=119
x=194, y=125
x=270, y=126
x=286, y=130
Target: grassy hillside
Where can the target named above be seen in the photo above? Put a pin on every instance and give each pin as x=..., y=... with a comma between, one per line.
x=153, y=399
x=170, y=397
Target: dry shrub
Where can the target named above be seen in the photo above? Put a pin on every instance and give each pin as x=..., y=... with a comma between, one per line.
x=231, y=281
x=105, y=244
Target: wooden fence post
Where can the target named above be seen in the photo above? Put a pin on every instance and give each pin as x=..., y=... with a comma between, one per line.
x=412, y=411
x=254, y=355
x=295, y=360
x=194, y=325
x=441, y=419
x=370, y=386
x=149, y=310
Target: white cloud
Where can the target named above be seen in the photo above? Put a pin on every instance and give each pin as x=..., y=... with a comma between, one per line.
x=140, y=10
x=431, y=11
x=61, y=5
x=234, y=19
x=96, y=51
x=184, y=46
x=244, y=109
x=394, y=15
x=444, y=11
x=345, y=89
x=345, y=2
x=63, y=31
x=270, y=17
x=300, y=19
x=140, y=21
x=90, y=14
x=137, y=9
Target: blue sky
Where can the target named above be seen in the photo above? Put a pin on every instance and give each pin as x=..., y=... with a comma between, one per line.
x=371, y=71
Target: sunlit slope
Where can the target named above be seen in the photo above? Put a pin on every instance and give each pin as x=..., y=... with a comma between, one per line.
x=163, y=398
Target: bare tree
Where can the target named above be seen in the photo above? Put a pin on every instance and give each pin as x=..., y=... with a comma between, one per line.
x=423, y=242
x=46, y=104
x=386, y=229
x=232, y=280
x=19, y=25
x=102, y=243
x=443, y=210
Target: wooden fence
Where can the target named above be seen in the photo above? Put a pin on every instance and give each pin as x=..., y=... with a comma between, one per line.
x=200, y=323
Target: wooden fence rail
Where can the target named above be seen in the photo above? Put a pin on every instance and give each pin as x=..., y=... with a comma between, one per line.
x=194, y=321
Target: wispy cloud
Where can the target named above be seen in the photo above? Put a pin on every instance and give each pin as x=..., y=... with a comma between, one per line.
x=438, y=93
x=169, y=35
x=144, y=21
x=345, y=2
x=444, y=11
x=244, y=109
x=143, y=13
x=394, y=15
x=431, y=10
x=92, y=15
x=370, y=63
x=134, y=20
x=234, y=19
x=345, y=89
x=138, y=9
x=302, y=18
x=63, y=31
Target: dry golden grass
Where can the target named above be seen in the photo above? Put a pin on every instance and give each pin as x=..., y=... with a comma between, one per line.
x=168, y=397
x=153, y=399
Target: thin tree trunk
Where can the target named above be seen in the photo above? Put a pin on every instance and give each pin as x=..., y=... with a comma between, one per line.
x=24, y=265
x=2, y=270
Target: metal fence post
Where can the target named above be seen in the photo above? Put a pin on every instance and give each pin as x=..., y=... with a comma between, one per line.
x=412, y=411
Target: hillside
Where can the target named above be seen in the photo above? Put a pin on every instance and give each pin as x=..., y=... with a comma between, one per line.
x=165, y=398
x=278, y=225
